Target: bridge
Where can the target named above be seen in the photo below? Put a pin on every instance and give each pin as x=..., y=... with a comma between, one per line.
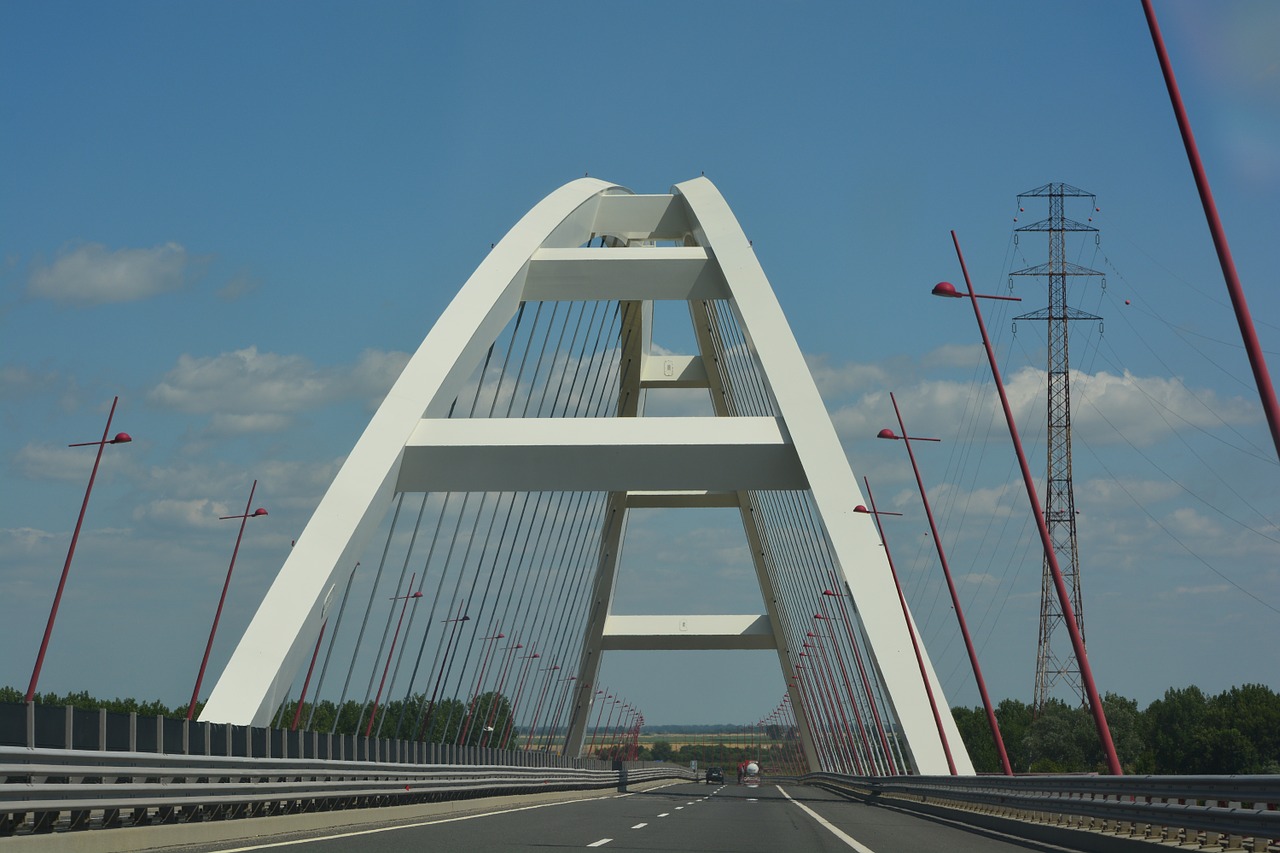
x=488, y=502
x=492, y=490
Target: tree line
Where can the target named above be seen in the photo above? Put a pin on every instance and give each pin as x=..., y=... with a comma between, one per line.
x=1185, y=732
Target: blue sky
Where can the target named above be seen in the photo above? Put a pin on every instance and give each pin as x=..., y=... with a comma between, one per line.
x=241, y=218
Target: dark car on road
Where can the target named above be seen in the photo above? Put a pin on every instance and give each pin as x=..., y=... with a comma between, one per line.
x=714, y=774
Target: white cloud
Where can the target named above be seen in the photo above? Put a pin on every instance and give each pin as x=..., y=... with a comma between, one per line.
x=839, y=380
x=92, y=274
x=202, y=513
x=1106, y=408
x=251, y=391
x=71, y=464
x=19, y=381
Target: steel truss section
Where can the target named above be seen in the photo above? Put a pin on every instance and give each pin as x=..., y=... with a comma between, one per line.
x=684, y=246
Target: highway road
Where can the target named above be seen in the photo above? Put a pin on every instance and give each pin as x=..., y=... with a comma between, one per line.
x=685, y=816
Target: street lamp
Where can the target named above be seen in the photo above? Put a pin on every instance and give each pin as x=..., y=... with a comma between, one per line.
x=511, y=717
x=120, y=438
x=560, y=706
x=951, y=587
x=1050, y=555
x=204, y=662
x=537, y=713
x=475, y=693
x=911, y=628
x=373, y=713
x=862, y=673
x=435, y=691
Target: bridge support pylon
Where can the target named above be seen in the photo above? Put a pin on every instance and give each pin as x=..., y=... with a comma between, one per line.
x=769, y=445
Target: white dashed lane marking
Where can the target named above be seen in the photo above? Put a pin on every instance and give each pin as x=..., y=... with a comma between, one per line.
x=640, y=826
x=602, y=842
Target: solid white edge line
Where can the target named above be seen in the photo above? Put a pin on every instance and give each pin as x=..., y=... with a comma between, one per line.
x=834, y=830
x=354, y=833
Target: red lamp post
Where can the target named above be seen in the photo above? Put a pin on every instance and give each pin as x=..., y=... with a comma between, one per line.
x=515, y=703
x=1059, y=583
x=373, y=712
x=906, y=615
x=120, y=438
x=951, y=587
x=862, y=673
x=435, y=691
x=537, y=713
x=475, y=693
x=1249, y=335
x=306, y=682
x=560, y=705
x=213, y=630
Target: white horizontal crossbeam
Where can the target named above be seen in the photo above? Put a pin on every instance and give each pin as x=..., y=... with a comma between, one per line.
x=691, y=499
x=643, y=217
x=598, y=454
x=623, y=273
x=673, y=371
x=687, y=633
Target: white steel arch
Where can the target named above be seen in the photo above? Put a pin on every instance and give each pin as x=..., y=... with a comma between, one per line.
x=684, y=246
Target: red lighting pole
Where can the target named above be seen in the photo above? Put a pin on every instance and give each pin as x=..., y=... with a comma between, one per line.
x=475, y=693
x=911, y=629
x=213, y=630
x=1059, y=583
x=428, y=720
x=1257, y=359
x=537, y=713
x=306, y=682
x=862, y=673
x=502, y=682
x=951, y=587
x=373, y=712
x=515, y=703
x=555, y=719
x=120, y=438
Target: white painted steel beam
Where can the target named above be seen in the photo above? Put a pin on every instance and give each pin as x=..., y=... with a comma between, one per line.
x=835, y=491
x=623, y=273
x=687, y=633
x=688, y=246
x=688, y=499
x=673, y=371
x=643, y=217
x=598, y=454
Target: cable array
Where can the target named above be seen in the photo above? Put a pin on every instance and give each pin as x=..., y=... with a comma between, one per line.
x=851, y=721
x=488, y=592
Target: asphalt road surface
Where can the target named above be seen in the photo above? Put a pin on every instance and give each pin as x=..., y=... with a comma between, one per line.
x=685, y=816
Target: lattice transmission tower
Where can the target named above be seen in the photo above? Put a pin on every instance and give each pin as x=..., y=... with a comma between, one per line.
x=1053, y=668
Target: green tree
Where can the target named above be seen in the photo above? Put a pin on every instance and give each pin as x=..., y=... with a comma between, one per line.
x=1174, y=730
x=661, y=750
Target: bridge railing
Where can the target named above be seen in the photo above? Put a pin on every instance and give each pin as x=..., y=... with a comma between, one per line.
x=1212, y=812
x=75, y=769
x=57, y=727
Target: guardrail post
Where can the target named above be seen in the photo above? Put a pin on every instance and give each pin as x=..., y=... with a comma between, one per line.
x=186, y=737
x=31, y=725
x=102, y=729
x=68, y=723
x=159, y=735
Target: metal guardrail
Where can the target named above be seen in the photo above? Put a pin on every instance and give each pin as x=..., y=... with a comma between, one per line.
x=47, y=789
x=1219, y=812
